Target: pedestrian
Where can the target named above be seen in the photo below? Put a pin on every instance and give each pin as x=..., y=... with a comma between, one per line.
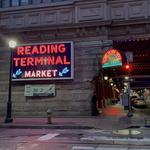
x=94, y=109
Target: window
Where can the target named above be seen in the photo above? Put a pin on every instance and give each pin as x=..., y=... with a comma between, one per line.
x=47, y=1
x=36, y=1
x=24, y=2
x=4, y=3
x=14, y=2
x=11, y=3
x=57, y=0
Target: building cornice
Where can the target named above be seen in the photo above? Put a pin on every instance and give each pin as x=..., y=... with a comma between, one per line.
x=104, y=18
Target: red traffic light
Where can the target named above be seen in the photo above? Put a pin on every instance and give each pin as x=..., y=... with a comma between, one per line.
x=127, y=67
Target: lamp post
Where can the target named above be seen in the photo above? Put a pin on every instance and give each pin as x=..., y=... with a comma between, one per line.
x=8, y=119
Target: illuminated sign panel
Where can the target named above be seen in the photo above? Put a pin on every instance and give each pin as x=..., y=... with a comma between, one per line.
x=46, y=61
x=111, y=58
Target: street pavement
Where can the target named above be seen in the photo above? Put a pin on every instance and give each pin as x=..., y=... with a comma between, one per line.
x=66, y=139
x=111, y=130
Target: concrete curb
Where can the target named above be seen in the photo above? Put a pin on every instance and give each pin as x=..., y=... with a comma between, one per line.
x=119, y=141
x=48, y=126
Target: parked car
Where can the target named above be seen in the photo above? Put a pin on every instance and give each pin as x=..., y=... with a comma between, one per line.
x=139, y=103
x=133, y=99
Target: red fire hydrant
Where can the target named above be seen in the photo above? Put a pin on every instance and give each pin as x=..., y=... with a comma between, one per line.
x=49, y=116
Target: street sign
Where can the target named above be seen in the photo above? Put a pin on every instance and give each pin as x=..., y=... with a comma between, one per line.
x=40, y=90
x=129, y=56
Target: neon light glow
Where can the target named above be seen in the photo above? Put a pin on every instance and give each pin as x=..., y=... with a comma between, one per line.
x=111, y=58
x=40, y=73
x=43, y=61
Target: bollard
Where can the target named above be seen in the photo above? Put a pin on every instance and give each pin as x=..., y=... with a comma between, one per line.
x=49, y=116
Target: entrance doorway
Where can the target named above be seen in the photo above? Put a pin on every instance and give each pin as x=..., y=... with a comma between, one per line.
x=108, y=94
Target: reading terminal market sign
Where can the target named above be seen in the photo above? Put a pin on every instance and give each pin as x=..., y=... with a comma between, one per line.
x=45, y=61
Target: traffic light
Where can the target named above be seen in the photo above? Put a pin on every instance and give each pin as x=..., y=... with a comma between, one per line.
x=127, y=67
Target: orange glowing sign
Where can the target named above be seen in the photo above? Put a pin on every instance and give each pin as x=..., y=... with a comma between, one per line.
x=111, y=58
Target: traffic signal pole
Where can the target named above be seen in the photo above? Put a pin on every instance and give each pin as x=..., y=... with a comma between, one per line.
x=129, y=100
x=128, y=69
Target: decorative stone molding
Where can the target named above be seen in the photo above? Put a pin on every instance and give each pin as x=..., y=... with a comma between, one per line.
x=73, y=12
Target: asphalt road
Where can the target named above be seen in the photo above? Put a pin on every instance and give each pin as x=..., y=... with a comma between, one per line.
x=46, y=139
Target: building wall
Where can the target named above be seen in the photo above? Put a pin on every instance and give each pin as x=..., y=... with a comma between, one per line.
x=91, y=25
x=72, y=12
x=73, y=97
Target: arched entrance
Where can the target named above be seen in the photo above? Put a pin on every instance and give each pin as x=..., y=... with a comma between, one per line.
x=136, y=53
x=106, y=86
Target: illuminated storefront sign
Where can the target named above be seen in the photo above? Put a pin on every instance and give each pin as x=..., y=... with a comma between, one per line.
x=44, y=61
x=111, y=58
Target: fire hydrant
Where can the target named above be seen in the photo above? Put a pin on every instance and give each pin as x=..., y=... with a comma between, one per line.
x=49, y=116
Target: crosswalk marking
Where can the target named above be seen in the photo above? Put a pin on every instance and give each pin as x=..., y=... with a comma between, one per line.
x=101, y=148
x=82, y=148
x=47, y=136
x=93, y=138
x=98, y=148
x=110, y=148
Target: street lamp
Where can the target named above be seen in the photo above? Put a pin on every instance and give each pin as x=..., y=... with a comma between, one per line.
x=111, y=84
x=105, y=77
x=12, y=44
x=126, y=77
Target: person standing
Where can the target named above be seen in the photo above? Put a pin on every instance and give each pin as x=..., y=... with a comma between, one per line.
x=94, y=109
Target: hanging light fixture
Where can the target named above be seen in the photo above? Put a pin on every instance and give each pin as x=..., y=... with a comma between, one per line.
x=105, y=77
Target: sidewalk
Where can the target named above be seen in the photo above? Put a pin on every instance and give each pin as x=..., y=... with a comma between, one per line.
x=100, y=122
x=111, y=118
